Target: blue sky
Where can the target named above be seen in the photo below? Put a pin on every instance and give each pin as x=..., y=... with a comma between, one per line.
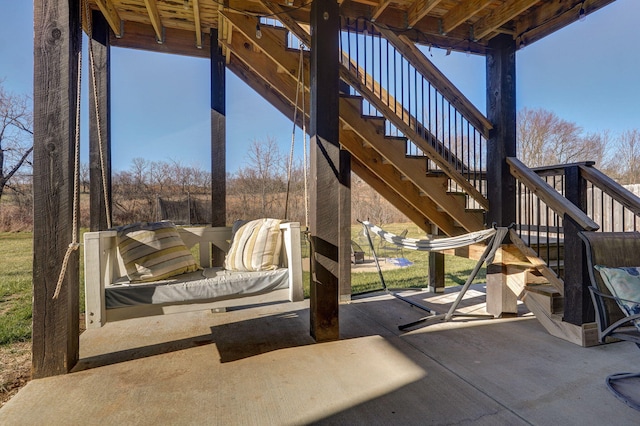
x=587, y=73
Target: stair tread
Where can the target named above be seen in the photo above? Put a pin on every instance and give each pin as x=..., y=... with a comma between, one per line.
x=544, y=289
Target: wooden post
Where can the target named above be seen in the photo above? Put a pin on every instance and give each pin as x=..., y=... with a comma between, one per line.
x=57, y=40
x=436, y=272
x=344, y=261
x=98, y=220
x=578, y=308
x=325, y=185
x=218, y=142
x=501, y=111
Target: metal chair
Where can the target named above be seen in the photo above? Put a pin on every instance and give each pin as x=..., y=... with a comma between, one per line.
x=613, y=249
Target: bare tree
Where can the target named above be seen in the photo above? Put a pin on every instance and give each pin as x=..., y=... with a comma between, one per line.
x=628, y=157
x=84, y=177
x=545, y=139
x=263, y=177
x=16, y=136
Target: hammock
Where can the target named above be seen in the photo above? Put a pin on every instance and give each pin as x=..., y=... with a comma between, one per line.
x=432, y=244
x=497, y=235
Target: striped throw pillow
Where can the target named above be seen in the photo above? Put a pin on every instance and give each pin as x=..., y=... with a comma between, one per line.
x=153, y=251
x=255, y=246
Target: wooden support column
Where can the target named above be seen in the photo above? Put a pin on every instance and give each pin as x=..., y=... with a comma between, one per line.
x=578, y=308
x=100, y=156
x=501, y=112
x=218, y=142
x=345, y=226
x=436, y=272
x=57, y=40
x=324, y=221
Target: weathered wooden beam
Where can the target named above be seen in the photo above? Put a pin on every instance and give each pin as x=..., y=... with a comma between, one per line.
x=501, y=111
x=154, y=17
x=500, y=16
x=111, y=15
x=57, y=40
x=419, y=9
x=461, y=13
x=100, y=126
x=218, y=141
x=325, y=171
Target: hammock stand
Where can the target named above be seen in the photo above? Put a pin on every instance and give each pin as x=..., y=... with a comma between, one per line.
x=495, y=234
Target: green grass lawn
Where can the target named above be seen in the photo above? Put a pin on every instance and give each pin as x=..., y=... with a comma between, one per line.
x=457, y=269
x=16, y=277
x=15, y=287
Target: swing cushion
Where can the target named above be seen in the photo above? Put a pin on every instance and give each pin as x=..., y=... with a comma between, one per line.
x=153, y=251
x=256, y=246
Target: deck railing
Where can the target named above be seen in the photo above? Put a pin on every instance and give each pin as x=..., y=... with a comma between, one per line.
x=543, y=207
x=417, y=101
x=605, y=202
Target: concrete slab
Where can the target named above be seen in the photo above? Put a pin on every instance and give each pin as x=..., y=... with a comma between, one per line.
x=259, y=366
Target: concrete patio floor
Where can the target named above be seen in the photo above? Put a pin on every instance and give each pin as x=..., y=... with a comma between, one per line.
x=259, y=366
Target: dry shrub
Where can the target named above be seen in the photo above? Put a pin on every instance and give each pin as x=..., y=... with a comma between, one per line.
x=15, y=218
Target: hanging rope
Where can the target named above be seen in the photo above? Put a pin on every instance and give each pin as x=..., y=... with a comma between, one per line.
x=74, y=245
x=305, y=155
x=293, y=131
x=92, y=68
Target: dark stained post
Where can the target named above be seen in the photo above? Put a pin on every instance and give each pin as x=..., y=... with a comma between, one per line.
x=325, y=185
x=578, y=308
x=100, y=157
x=218, y=142
x=345, y=217
x=57, y=40
x=501, y=112
x=436, y=272
x=344, y=261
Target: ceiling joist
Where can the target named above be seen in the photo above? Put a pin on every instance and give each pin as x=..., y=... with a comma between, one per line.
x=154, y=16
x=461, y=13
x=381, y=7
x=196, y=23
x=111, y=15
x=465, y=26
x=418, y=10
x=500, y=16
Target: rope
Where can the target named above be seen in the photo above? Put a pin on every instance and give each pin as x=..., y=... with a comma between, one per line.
x=305, y=154
x=92, y=68
x=74, y=245
x=293, y=133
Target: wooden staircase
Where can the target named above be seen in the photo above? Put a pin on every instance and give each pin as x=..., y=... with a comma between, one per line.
x=427, y=197
x=269, y=67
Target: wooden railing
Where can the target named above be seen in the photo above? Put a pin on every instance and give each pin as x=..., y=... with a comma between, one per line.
x=401, y=85
x=554, y=204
